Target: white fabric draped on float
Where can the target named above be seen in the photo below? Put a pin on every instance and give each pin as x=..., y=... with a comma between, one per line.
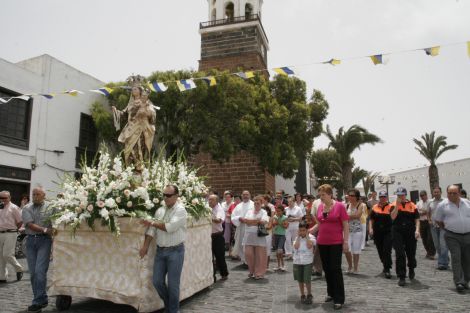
x=97, y=264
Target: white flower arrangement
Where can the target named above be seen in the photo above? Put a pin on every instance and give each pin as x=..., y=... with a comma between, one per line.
x=110, y=190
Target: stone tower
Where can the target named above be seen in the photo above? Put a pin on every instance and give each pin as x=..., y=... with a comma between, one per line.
x=234, y=36
x=232, y=39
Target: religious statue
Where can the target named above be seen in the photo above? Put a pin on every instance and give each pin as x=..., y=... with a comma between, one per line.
x=137, y=135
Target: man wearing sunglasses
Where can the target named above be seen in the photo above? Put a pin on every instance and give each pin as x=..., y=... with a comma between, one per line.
x=169, y=230
x=453, y=215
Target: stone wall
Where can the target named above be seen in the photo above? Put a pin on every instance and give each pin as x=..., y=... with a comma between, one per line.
x=241, y=172
x=233, y=48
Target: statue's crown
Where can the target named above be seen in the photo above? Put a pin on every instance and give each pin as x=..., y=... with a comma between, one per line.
x=135, y=81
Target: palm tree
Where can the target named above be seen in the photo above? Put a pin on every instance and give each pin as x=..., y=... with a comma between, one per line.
x=368, y=181
x=345, y=143
x=357, y=175
x=432, y=148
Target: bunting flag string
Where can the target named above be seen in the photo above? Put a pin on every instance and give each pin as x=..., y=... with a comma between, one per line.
x=190, y=83
x=433, y=51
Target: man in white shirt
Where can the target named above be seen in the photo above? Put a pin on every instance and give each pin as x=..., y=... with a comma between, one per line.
x=240, y=212
x=438, y=233
x=218, y=242
x=424, y=227
x=453, y=215
x=169, y=231
x=10, y=222
x=294, y=216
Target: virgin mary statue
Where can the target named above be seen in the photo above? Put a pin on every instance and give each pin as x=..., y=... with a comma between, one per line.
x=137, y=135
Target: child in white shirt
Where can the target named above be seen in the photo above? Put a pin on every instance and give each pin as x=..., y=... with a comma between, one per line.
x=303, y=259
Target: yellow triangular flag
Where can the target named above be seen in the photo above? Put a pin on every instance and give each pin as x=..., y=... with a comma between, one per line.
x=468, y=48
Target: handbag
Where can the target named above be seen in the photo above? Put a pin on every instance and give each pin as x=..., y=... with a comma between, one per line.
x=262, y=232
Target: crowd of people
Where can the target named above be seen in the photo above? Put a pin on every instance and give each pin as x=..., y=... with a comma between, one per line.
x=313, y=232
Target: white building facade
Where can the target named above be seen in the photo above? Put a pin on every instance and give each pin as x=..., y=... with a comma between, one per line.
x=42, y=139
x=454, y=172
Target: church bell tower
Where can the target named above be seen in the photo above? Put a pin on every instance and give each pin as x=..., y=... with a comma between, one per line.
x=233, y=39
x=234, y=36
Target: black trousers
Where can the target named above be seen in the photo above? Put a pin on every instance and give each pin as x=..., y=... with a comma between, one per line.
x=404, y=243
x=331, y=256
x=425, y=232
x=383, y=243
x=218, y=250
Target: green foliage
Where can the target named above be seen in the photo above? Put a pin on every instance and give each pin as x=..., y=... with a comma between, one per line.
x=324, y=164
x=345, y=143
x=272, y=120
x=358, y=174
x=432, y=148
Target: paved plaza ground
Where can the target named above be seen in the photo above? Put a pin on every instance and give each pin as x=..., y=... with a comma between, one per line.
x=432, y=291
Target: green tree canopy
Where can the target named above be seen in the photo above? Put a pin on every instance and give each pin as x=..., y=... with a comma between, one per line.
x=345, y=142
x=273, y=120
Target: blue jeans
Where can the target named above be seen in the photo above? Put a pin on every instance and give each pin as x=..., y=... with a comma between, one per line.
x=38, y=251
x=169, y=261
x=440, y=245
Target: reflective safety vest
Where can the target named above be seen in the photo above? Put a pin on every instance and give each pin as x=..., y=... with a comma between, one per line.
x=379, y=210
x=409, y=206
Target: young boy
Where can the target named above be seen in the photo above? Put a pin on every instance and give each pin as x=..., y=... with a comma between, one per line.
x=280, y=225
x=303, y=259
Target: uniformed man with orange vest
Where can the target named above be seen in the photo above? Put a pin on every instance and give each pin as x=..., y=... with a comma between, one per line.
x=405, y=233
x=380, y=226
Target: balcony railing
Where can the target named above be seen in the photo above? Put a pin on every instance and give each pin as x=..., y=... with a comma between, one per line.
x=233, y=20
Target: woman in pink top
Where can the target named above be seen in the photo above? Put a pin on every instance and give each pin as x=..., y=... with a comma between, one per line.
x=332, y=241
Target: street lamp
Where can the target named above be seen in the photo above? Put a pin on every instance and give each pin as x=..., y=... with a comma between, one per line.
x=386, y=180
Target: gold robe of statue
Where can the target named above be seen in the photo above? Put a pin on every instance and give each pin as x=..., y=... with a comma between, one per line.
x=137, y=135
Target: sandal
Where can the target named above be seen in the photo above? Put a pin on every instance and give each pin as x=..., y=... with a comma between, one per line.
x=251, y=275
x=259, y=277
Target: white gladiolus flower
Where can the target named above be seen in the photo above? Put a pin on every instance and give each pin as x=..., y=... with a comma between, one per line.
x=129, y=204
x=90, y=208
x=78, y=210
x=127, y=193
x=156, y=201
x=100, y=204
x=104, y=177
x=118, y=200
x=195, y=201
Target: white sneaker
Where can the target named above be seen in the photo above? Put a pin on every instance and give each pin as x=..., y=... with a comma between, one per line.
x=276, y=269
x=283, y=269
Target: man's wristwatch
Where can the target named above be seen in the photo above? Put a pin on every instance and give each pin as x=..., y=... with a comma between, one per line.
x=45, y=230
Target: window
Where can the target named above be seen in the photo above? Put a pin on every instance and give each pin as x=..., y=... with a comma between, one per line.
x=214, y=14
x=248, y=11
x=229, y=11
x=87, y=141
x=15, y=121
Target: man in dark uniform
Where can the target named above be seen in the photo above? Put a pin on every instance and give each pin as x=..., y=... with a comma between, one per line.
x=405, y=232
x=380, y=227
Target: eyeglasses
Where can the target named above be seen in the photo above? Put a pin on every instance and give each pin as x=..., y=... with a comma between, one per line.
x=352, y=196
x=453, y=193
x=168, y=195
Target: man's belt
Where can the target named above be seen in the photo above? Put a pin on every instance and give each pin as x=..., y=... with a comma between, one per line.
x=170, y=248
x=8, y=231
x=38, y=235
x=454, y=233
x=217, y=234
